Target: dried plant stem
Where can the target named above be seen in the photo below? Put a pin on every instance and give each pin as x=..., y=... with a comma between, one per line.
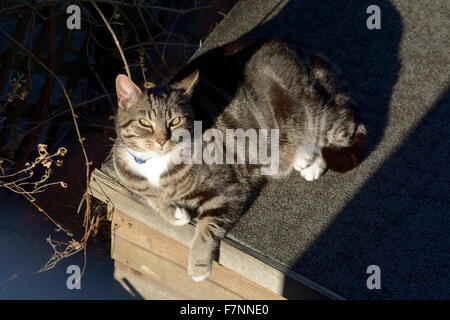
x=8, y=9
x=130, y=23
x=58, y=114
x=17, y=186
x=149, y=35
x=142, y=6
x=74, y=116
x=48, y=216
x=57, y=79
x=114, y=37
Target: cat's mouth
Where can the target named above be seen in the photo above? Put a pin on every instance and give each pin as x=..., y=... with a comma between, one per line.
x=152, y=150
x=163, y=150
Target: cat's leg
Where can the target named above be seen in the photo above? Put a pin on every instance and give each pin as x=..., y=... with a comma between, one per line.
x=208, y=234
x=217, y=215
x=315, y=169
x=172, y=214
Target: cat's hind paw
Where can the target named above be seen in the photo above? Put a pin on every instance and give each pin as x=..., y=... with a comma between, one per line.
x=303, y=162
x=314, y=171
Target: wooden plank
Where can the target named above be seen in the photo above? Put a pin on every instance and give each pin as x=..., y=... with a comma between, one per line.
x=108, y=190
x=264, y=272
x=242, y=260
x=173, y=275
x=150, y=251
x=142, y=286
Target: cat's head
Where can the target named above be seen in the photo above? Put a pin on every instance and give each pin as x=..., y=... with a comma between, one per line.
x=146, y=120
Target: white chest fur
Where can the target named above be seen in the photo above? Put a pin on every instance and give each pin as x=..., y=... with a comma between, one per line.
x=152, y=168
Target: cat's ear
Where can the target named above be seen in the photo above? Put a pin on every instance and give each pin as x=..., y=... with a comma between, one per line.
x=127, y=91
x=188, y=83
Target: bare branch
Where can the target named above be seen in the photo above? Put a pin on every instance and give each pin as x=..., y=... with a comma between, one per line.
x=114, y=37
x=142, y=6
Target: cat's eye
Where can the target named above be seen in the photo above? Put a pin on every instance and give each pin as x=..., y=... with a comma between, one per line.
x=144, y=123
x=175, y=121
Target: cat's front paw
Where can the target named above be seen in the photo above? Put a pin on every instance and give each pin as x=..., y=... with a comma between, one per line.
x=181, y=217
x=199, y=270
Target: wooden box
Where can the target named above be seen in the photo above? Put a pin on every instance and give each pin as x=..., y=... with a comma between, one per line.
x=151, y=257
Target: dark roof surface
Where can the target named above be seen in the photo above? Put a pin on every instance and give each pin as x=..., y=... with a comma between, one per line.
x=393, y=210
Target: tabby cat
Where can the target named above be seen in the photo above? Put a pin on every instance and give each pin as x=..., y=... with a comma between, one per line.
x=260, y=84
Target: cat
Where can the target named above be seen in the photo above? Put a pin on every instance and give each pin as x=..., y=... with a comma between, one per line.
x=260, y=84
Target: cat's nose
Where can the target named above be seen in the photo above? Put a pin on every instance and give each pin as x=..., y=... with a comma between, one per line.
x=162, y=142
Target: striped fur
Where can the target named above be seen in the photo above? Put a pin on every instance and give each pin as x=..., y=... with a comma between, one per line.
x=259, y=84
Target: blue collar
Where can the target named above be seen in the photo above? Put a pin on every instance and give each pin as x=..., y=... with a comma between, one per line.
x=138, y=161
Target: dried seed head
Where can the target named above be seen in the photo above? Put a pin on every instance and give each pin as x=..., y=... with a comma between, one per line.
x=42, y=148
x=47, y=163
x=62, y=151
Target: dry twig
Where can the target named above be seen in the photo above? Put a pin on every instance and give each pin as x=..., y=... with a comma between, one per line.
x=86, y=196
x=114, y=37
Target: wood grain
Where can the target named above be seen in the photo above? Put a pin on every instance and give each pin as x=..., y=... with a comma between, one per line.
x=164, y=260
x=141, y=220
x=142, y=286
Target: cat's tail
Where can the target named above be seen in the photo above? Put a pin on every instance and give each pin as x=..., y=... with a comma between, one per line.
x=345, y=159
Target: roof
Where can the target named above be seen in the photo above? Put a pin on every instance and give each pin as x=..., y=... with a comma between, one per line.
x=392, y=210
